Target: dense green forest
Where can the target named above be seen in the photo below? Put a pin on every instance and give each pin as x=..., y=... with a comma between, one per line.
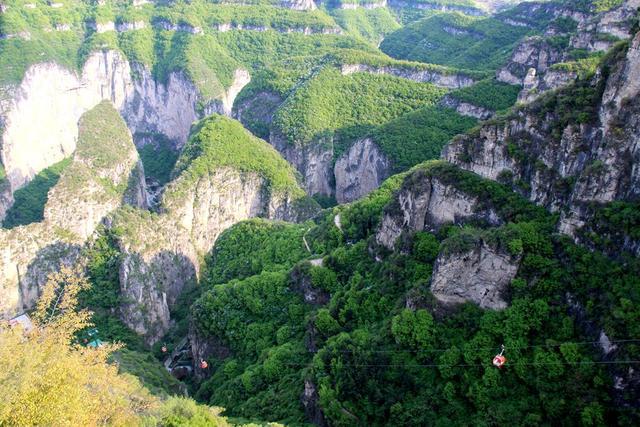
x=371, y=358
x=321, y=321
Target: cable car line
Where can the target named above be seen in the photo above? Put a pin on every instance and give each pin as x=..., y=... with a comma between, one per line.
x=626, y=341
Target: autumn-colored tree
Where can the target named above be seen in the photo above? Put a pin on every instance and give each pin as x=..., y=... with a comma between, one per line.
x=49, y=379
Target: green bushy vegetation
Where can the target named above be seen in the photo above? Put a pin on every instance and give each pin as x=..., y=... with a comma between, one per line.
x=419, y=135
x=349, y=105
x=370, y=24
x=582, y=66
x=416, y=136
x=374, y=361
x=151, y=373
x=490, y=94
x=253, y=246
x=29, y=200
x=462, y=41
x=612, y=223
x=103, y=136
x=218, y=141
x=604, y=5
x=425, y=8
x=483, y=43
x=158, y=158
x=103, y=297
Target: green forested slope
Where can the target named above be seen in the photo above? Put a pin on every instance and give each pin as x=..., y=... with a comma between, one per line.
x=376, y=362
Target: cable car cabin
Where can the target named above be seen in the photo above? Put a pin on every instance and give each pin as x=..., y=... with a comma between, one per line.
x=499, y=361
x=203, y=364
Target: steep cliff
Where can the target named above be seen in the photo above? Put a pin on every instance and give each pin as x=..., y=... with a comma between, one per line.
x=553, y=60
x=104, y=174
x=438, y=76
x=569, y=151
x=434, y=194
x=55, y=98
x=480, y=274
x=360, y=171
x=223, y=176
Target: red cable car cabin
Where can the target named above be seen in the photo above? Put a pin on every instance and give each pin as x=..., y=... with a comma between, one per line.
x=499, y=361
x=204, y=364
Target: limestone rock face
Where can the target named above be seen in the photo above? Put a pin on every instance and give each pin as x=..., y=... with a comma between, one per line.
x=360, y=171
x=40, y=115
x=481, y=275
x=91, y=187
x=531, y=64
x=168, y=109
x=534, y=52
x=426, y=203
x=438, y=78
x=465, y=108
x=616, y=22
x=314, y=161
x=299, y=4
x=573, y=167
x=162, y=253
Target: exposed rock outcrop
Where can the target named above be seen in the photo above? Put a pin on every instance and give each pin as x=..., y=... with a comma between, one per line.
x=360, y=171
x=162, y=252
x=375, y=4
x=531, y=64
x=241, y=78
x=601, y=31
x=535, y=53
x=93, y=185
x=445, y=7
x=298, y=4
x=451, y=80
x=55, y=98
x=563, y=165
x=426, y=202
x=481, y=275
x=465, y=108
x=314, y=161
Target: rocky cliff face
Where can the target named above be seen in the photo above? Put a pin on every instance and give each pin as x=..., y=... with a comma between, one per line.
x=162, y=252
x=465, y=108
x=360, y=171
x=439, y=78
x=41, y=115
x=55, y=98
x=567, y=160
x=426, y=202
x=531, y=64
x=481, y=275
x=535, y=53
x=95, y=184
x=599, y=32
x=314, y=161
x=298, y=4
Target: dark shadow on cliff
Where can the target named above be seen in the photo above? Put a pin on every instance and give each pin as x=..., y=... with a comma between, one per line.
x=49, y=259
x=150, y=291
x=30, y=200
